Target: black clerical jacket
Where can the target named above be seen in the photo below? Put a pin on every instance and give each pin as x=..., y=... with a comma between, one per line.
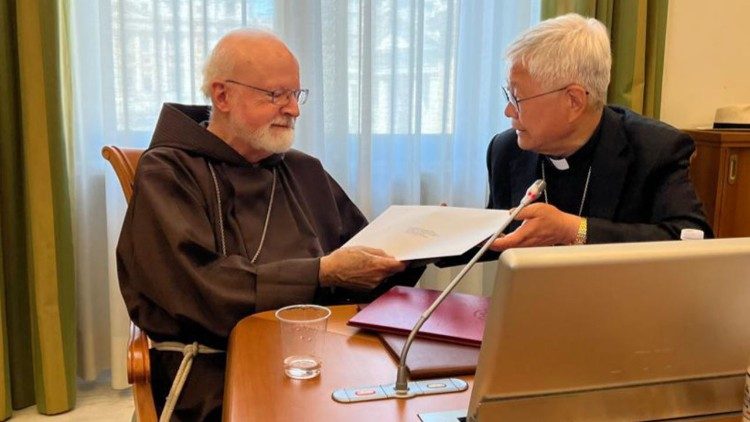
x=639, y=189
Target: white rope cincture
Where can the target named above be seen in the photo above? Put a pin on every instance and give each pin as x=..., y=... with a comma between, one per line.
x=188, y=351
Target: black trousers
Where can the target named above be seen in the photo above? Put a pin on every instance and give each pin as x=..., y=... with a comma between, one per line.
x=203, y=393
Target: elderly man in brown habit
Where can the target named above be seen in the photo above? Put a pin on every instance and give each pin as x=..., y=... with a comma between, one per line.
x=227, y=220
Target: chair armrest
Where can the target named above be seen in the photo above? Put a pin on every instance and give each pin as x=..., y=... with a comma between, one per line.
x=139, y=363
x=139, y=374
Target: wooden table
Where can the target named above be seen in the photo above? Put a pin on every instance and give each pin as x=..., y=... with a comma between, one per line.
x=256, y=388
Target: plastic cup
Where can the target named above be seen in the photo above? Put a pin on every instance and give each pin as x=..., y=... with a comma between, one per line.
x=303, y=329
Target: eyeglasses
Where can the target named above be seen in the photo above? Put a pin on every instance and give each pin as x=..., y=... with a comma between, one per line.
x=280, y=97
x=509, y=97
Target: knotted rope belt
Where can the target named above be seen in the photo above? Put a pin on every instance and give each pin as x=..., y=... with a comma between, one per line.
x=188, y=353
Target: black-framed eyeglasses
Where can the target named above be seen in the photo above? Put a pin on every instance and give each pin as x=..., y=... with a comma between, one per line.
x=509, y=97
x=280, y=97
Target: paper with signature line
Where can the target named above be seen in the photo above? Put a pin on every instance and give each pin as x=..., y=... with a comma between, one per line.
x=425, y=231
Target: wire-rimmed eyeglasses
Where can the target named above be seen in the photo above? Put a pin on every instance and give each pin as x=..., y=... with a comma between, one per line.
x=509, y=97
x=280, y=97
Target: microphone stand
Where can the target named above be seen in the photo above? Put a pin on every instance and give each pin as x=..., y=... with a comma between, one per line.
x=402, y=389
x=402, y=376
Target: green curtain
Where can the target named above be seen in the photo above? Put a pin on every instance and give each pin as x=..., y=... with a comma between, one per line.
x=637, y=29
x=37, y=297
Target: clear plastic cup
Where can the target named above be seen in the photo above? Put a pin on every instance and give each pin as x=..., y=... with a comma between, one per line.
x=303, y=329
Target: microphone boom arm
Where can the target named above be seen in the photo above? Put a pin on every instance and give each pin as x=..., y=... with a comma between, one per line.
x=402, y=377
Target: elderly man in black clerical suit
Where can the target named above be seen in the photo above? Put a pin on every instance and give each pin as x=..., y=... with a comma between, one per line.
x=612, y=175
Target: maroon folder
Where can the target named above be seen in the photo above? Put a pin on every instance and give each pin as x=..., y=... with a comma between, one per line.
x=459, y=319
x=432, y=358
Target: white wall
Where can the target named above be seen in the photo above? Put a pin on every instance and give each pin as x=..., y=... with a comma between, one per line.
x=706, y=60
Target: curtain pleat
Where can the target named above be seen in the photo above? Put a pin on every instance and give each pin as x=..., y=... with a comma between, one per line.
x=5, y=407
x=654, y=67
x=637, y=30
x=12, y=223
x=38, y=274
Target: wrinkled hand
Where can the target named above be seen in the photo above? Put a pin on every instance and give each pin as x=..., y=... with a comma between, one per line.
x=357, y=267
x=543, y=225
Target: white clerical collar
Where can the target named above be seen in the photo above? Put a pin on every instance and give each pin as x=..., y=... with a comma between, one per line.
x=560, y=164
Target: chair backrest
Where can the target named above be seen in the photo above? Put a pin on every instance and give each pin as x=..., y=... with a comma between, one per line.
x=124, y=161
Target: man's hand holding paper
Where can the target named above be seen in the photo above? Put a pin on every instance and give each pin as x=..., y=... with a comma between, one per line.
x=357, y=267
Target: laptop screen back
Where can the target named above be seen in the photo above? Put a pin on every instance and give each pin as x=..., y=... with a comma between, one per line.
x=626, y=330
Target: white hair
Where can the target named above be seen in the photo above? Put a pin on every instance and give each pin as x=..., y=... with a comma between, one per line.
x=223, y=58
x=564, y=50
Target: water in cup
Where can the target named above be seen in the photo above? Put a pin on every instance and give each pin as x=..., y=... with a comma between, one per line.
x=302, y=367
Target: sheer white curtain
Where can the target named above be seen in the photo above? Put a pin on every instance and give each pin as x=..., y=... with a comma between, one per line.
x=405, y=95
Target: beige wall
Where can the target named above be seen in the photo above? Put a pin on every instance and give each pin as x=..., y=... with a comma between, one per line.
x=706, y=60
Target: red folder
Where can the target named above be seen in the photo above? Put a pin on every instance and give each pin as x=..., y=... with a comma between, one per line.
x=459, y=319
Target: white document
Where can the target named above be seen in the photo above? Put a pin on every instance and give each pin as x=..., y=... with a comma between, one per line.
x=424, y=231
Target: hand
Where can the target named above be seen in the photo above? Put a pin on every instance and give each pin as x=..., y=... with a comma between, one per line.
x=358, y=268
x=543, y=225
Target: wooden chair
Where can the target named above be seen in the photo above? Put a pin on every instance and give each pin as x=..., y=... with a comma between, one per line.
x=124, y=161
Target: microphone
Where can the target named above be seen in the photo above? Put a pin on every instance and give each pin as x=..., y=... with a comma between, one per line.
x=402, y=387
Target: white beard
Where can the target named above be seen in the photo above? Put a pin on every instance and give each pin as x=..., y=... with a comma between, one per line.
x=275, y=140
